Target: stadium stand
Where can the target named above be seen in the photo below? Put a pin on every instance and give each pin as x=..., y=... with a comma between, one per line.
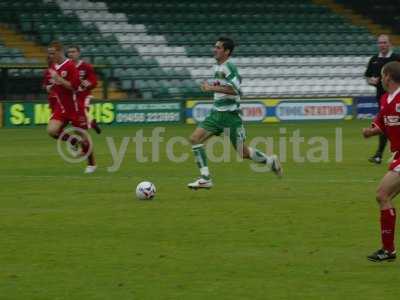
x=163, y=49
x=180, y=35
x=384, y=12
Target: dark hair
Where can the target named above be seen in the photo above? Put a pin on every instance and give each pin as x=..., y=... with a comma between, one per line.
x=75, y=47
x=227, y=43
x=56, y=45
x=393, y=70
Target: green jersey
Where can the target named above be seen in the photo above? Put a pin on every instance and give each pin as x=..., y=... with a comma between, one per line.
x=226, y=74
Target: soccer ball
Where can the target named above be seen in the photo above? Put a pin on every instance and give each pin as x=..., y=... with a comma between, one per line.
x=145, y=190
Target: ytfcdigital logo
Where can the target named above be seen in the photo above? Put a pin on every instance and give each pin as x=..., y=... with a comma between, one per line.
x=315, y=149
x=69, y=145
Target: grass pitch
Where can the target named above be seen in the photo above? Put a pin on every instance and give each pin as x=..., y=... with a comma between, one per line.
x=66, y=235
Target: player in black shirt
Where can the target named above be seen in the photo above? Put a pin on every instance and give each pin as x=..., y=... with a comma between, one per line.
x=373, y=75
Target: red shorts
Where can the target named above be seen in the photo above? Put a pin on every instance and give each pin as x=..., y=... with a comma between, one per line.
x=395, y=164
x=76, y=116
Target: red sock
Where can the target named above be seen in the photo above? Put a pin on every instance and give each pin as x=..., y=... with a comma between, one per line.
x=91, y=160
x=96, y=127
x=388, y=223
x=66, y=137
x=86, y=147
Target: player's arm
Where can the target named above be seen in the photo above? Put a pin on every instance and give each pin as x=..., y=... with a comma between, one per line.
x=371, y=131
x=371, y=80
x=73, y=77
x=224, y=89
x=91, y=81
x=48, y=88
x=72, y=82
x=233, y=80
x=377, y=127
x=61, y=81
x=47, y=83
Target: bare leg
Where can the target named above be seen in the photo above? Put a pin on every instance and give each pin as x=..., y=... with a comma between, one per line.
x=260, y=157
x=388, y=188
x=54, y=128
x=199, y=135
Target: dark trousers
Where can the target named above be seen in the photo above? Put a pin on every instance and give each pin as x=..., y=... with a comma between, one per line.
x=381, y=145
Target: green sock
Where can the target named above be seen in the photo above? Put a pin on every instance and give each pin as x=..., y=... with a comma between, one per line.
x=201, y=160
x=260, y=157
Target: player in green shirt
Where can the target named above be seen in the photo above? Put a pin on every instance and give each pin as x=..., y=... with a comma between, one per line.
x=225, y=114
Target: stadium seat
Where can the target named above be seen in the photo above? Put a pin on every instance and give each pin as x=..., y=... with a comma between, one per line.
x=293, y=41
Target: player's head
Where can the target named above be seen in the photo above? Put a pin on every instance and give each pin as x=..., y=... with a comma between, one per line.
x=223, y=48
x=74, y=52
x=391, y=75
x=384, y=44
x=55, y=52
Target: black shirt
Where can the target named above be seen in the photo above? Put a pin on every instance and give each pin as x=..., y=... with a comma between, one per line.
x=374, y=68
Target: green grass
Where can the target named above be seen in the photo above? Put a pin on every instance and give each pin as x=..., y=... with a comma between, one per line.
x=64, y=235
